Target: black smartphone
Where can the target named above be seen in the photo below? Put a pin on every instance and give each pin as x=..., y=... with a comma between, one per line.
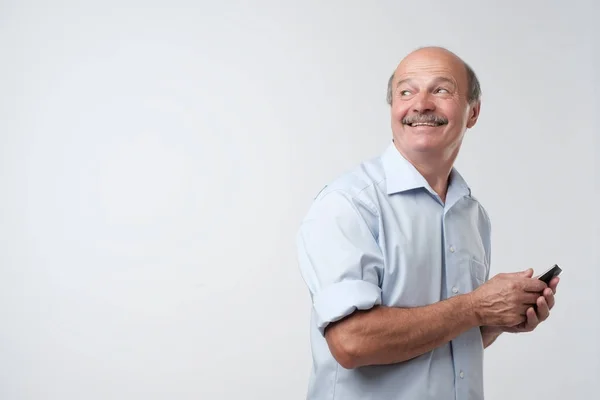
x=547, y=276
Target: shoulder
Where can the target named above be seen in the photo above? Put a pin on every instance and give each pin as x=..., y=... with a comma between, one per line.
x=484, y=217
x=356, y=185
x=484, y=226
x=350, y=195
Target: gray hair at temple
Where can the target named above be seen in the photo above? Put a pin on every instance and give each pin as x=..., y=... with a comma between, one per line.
x=474, y=93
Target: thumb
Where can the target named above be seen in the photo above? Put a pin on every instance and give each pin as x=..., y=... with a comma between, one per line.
x=528, y=273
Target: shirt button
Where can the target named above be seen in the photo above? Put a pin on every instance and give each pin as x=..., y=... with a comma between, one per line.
x=462, y=374
x=451, y=249
x=454, y=289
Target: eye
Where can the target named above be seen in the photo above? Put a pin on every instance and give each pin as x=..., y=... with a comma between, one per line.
x=442, y=90
x=404, y=92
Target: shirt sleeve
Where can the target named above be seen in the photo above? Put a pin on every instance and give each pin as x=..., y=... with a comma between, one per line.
x=487, y=243
x=339, y=258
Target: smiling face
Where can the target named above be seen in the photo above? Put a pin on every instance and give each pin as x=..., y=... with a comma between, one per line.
x=430, y=110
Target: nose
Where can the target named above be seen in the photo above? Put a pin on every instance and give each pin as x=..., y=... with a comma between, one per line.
x=423, y=103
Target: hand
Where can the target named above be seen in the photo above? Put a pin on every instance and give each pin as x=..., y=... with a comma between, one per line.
x=544, y=304
x=505, y=299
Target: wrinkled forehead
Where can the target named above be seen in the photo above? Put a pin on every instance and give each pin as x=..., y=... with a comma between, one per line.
x=429, y=65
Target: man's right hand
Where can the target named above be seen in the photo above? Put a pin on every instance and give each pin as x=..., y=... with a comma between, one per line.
x=504, y=299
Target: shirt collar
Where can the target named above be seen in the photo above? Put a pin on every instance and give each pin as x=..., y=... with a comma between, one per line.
x=402, y=176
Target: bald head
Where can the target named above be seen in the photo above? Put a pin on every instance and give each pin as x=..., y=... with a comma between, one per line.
x=440, y=56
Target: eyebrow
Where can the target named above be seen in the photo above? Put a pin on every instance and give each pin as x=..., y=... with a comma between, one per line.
x=435, y=81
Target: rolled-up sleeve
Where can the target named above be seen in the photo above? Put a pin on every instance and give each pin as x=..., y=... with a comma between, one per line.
x=339, y=258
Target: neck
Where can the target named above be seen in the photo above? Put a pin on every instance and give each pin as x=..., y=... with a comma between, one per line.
x=435, y=168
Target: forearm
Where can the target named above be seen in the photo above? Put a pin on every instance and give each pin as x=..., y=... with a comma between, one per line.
x=387, y=335
x=489, y=334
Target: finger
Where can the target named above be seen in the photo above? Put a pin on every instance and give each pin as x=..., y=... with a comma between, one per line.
x=528, y=273
x=542, y=309
x=529, y=298
x=534, y=285
x=524, y=308
x=532, y=319
x=549, y=296
x=554, y=283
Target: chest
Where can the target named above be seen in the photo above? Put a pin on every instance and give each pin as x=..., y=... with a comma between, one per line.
x=431, y=253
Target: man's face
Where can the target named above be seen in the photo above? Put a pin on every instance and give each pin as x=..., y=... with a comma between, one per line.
x=430, y=111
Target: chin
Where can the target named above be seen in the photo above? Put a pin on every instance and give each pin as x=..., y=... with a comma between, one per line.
x=424, y=140
x=425, y=143
x=425, y=148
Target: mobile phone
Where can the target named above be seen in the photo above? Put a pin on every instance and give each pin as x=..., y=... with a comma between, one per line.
x=547, y=276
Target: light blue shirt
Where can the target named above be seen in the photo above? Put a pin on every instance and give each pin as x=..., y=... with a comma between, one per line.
x=380, y=235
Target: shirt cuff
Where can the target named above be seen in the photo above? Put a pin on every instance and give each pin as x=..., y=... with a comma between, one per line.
x=342, y=299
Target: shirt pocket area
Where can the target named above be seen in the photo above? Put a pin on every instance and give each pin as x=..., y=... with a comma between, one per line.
x=478, y=272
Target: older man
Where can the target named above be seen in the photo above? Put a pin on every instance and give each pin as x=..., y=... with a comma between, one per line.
x=396, y=256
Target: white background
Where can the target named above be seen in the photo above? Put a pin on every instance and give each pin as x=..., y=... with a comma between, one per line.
x=156, y=159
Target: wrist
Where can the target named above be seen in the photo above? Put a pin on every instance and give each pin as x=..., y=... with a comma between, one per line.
x=492, y=329
x=489, y=334
x=473, y=309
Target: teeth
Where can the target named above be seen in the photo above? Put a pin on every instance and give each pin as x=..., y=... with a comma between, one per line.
x=423, y=124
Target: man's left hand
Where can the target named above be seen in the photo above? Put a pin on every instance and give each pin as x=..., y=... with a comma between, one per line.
x=535, y=317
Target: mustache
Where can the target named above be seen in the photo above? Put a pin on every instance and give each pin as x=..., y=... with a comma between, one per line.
x=425, y=118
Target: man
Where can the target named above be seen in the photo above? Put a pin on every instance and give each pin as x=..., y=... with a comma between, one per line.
x=396, y=255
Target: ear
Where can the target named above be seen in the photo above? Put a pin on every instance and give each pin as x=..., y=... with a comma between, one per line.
x=473, y=114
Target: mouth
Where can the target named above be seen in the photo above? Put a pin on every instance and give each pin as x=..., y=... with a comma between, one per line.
x=430, y=120
x=431, y=124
